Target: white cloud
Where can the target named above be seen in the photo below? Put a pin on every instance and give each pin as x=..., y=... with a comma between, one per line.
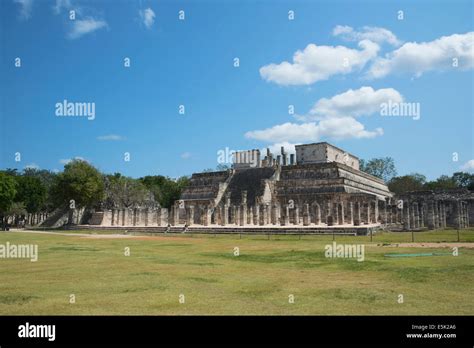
x=148, y=17
x=374, y=34
x=353, y=103
x=468, y=166
x=417, y=58
x=346, y=128
x=286, y=132
x=336, y=118
x=316, y=63
x=112, y=137
x=60, y=5
x=82, y=27
x=25, y=8
x=67, y=160
x=185, y=155
x=32, y=166
x=336, y=128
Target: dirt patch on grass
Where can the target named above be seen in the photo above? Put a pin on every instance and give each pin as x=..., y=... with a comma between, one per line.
x=431, y=245
x=161, y=238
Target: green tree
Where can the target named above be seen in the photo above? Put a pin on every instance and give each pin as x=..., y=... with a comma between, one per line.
x=383, y=168
x=406, y=183
x=30, y=191
x=47, y=178
x=165, y=190
x=7, y=192
x=444, y=182
x=16, y=210
x=80, y=182
x=125, y=192
x=464, y=180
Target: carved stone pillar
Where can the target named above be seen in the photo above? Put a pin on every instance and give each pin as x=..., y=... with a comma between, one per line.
x=306, y=218
x=317, y=214
x=406, y=216
x=340, y=213
x=350, y=213
x=190, y=215
x=256, y=216
x=357, y=218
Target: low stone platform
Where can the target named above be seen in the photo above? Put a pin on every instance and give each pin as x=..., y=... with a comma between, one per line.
x=282, y=230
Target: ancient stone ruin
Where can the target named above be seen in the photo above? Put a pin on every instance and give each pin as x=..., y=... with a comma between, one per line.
x=321, y=188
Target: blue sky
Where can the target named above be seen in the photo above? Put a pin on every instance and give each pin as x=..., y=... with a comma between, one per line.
x=351, y=56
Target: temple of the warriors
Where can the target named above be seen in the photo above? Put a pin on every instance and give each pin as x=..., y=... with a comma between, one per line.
x=318, y=189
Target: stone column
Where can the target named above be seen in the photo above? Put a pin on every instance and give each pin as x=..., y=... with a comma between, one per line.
x=459, y=215
x=350, y=213
x=329, y=213
x=306, y=218
x=159, y=217
x=243, y=215
x=172, y=216
x=417, y=214
x=357, y=218
x=206, y=216
x=437, y=215
x=249, y=216
x=296, y=215
x=243, y=209
x=376, y=211
x=134, y=216
x=367, y=220
x=264, y=215
x=430, y=216
x=126, y=217
x=119, y=218
x=335, y=213
x=317, y=214
x=442, y=216
x=141, y=217
x=274, y=215
x=406, y=218
x=422, y=215
x=340, y=213
x=146, y=215
x=190, y=215
x=225, y=215
x=256, y=216
x=385, y=215
x=236, y=215
x=466, y=215
x=285, y=219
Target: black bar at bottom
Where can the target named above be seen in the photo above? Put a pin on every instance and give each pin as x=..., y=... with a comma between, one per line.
x=133, y=330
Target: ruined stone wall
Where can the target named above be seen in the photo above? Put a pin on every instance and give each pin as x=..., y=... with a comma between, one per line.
x=436, y=209
x=308, y=180
x=204, y=186
x=324, y=153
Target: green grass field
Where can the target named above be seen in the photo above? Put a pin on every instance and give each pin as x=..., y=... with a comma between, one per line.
x=214, y=281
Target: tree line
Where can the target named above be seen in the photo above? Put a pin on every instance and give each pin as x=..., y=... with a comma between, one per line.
x=384, y=168
x=80, y=184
